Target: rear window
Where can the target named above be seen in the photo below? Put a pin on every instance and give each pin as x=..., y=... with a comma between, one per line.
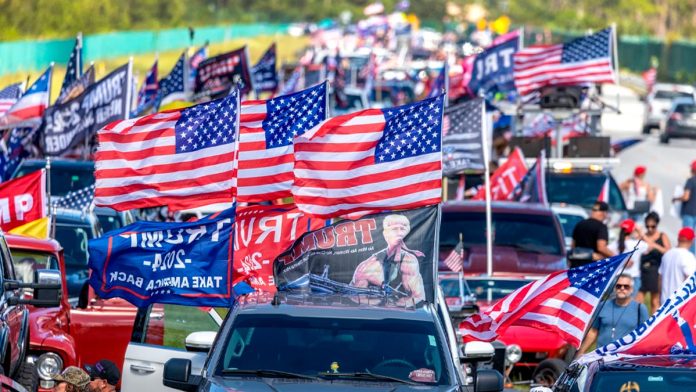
x=582, y=189
x=568, y=222
x=527, y=232
x=665, y=94
x=686, y=109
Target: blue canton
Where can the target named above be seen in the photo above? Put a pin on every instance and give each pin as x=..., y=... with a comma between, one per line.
x=587, y=48
x=174, y=82
x=12, y=91
x=41, y=84
x=207, y=125
x=411, y=130
x=595, y=277
x=74, y=68
x=18, y=148
x=292, y=115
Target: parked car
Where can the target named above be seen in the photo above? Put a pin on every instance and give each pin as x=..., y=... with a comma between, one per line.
x=569, y=215
x=680, y=121
x=527, y=238
x=460, y=300
x=110, y=219
x=650, y=373
x=73, y=231
x=63, y=335
x=14, y=318
x=659, y=101
x=66, y=174
x=343, y=346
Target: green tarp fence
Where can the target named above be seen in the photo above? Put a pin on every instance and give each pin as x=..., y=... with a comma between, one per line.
x=34, y=55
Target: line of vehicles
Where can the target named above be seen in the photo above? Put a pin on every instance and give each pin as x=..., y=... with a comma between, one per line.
x=672, y=109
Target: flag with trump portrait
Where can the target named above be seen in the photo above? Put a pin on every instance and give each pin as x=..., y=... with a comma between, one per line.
x=374, y=159
x=562, y=303
x=180, y=158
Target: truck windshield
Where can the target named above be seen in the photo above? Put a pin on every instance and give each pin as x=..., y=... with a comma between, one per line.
x=407, y=350
x=645, y=380
x=26, y=262
x=74, y=240
x=582, y=189
x=494, y=289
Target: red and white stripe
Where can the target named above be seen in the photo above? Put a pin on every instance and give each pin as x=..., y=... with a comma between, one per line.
x=137, y=167
x=263, y=173
x=550, y=304
x=604, y=192
x=335, y=170
x=29, y=109
x=541, y=66
x=6, y=104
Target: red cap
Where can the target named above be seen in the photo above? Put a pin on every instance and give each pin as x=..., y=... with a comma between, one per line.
x=628, y=225
x=693, y=165
x=686, y=234
x=639, y=170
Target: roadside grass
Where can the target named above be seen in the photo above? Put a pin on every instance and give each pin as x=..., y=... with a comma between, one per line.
x=287, y=47
x=180, y=321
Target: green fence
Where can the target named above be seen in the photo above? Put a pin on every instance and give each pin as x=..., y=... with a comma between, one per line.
x=34, y=55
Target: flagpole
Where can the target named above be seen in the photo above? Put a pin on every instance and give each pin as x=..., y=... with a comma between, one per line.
x=50, y=82
x=78, y=59
x=447, y=83
x=487, y=190
x=461, y=273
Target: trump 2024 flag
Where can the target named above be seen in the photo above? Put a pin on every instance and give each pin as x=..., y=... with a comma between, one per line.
x=374, y=159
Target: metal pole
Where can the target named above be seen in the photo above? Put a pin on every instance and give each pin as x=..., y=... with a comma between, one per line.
x=487, y=185
x=559, y=139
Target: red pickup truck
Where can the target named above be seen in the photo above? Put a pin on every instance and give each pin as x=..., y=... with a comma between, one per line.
x=71, y=334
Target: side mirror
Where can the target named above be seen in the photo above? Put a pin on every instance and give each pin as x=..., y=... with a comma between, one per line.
x=177, y=375
x=477, y=352
x=200, y=341
x=47, y=289
x=488, y=380
x=541, y=389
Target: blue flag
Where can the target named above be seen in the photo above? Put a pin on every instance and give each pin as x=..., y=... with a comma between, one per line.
x=493, y=68
x=73, y=71
x=186, y=263
x=264, y=72
x=532, y=188
x=147, y=96
x=18, y=148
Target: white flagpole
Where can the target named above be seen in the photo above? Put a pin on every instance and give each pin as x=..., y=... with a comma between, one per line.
x=487, y=189
x=447, y=82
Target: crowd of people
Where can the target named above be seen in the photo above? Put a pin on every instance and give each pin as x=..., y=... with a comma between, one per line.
x=103, y=376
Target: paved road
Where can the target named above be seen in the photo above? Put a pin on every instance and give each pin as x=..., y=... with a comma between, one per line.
x=668, y=165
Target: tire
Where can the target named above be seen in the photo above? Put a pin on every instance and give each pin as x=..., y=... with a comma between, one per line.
x=548, y=371
x=664, y=139
x=28, y=377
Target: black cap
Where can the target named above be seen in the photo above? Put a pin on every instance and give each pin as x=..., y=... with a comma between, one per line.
x=600, y=206
x=106, y=370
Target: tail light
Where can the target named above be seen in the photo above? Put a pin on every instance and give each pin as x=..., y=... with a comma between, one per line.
x=676, y=117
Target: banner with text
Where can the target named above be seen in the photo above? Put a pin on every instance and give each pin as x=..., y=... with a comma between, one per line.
x=386, y=257
x=506, y=178
x=216, y=75
x=186, y=263
x=23, y=200
x=70, y=123
x=261, y=234
x=491, y=71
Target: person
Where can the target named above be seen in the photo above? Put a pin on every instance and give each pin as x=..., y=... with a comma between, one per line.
x=677, y=264
x=71, y=379
x=396, y=267
x=629, y=239
x=617, y=317
x=658, y=243
x=590, y=237
x=104, y=376
x=688, y=208
x=636, y=189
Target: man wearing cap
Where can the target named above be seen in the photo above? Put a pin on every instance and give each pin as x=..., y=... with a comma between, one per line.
x=104, y=376
x=688, y=208
x=591, y=236
x=677, y=264
x=72, y=379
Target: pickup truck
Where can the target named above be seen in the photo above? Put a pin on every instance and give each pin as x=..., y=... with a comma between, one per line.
x=63, y=335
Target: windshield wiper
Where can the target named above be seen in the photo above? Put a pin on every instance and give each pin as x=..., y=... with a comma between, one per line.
x=267, y=373
x=366, y=375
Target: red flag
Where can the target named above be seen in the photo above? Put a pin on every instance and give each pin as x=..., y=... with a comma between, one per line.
x=23, y=200
x=506, y=177
x=604, y=192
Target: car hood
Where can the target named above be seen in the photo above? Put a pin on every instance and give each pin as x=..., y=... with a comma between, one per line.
x=219, y=384
x=508, y=260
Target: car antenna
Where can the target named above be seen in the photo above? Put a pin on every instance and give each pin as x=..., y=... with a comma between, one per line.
x=276, y=300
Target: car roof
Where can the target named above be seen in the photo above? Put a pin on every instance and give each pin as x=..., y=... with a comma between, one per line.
x=58, y=162
x=497, y=206
x=666, y=362
x=673, y=87
x=326, y=305
x=31, y=243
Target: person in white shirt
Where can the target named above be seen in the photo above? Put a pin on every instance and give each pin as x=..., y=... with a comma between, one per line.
x=629, y=239
x=677, y=264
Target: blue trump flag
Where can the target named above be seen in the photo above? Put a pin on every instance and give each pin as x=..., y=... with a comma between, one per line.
x=186, y=263
x=493, y=68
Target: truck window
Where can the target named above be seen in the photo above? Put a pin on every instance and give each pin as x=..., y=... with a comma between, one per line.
x=169, y=325
x=27, y=261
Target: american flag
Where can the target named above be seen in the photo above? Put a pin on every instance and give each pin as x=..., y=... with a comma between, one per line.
x=374, y=159
x=562, y=303
x=8, y=97
x=266, y=132
x=73, y=72
x=462, y=144
x=455, y=261
x=148, y=91
x=264, y=72
x=180, y=158
x=604, y=192
x=172, y=87
x=195, y=60
x=80, y=199
x=582, y=60
x=29, y=109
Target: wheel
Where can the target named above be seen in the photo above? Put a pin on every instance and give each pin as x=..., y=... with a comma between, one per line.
x=646, y=129
x=548, y=372
x=27, y=376
x=664, y=139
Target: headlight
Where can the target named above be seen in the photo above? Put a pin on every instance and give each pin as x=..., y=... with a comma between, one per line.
x=48, y=365
x=513, y=353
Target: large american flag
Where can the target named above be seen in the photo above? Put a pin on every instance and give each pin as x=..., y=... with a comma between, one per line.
x=9, y=96
x=266, y=132
x=562, y=303
x=180, y=158
x=29, y=109
x=374, y=159
x=462, y=143
x=582, y=60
